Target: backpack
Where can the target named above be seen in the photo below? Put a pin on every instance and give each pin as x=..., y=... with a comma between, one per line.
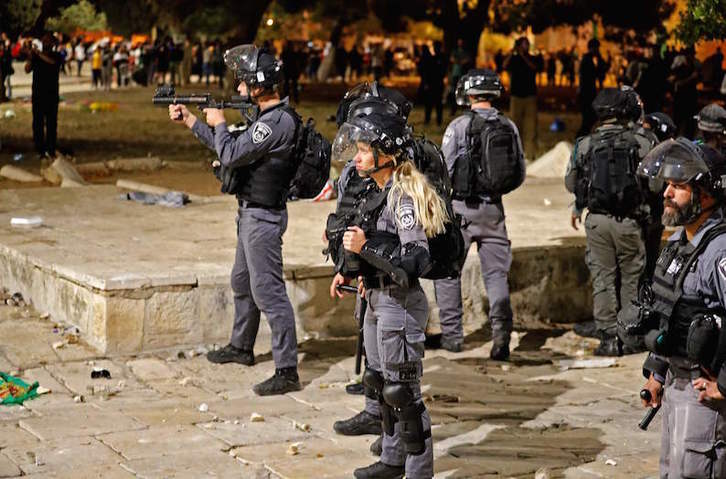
x=311, y=154
x=493, y=163
x=612, y=185
x=447, y=248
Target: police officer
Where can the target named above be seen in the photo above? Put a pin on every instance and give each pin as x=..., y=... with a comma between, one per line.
x=482, y=221
x=361, y=100
x=262, y=158
x=684, y=310
x=712, y=126
x=661, y=125
x=601, y=174
x=394, y=253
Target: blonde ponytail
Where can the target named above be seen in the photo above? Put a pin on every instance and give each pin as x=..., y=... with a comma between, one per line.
x=429, y=207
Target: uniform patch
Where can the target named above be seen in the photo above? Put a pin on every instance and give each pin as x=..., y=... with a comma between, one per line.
x=406, y=217
x=260, y=132
x=447, y=136
x=722, y=268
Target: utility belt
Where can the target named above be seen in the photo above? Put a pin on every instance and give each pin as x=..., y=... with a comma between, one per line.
x=252, y=204
x=476, y=201
x=381, y=281
x=635, y=215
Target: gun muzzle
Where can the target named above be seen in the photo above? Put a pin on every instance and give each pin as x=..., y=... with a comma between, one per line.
x=645, y=422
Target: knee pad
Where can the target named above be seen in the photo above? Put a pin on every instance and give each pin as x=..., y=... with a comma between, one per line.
x=373, y=383
x=408, y=412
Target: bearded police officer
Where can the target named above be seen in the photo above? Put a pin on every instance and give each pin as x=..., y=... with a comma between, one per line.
x=680, y=318
x=602, y=175
x=262, y=160
x=712, y=126
x=353, y=189
x=482, y=140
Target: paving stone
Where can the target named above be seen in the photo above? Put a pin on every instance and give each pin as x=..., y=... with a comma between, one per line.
x=316, y=458
x=8, y=467
x=14, y=413
x=204, y=464
x=245, y=433
x=66, y=453
x=76, y=376
x=241, y=409
x=12, y=434
x=107, y=471
x=150, y=369
x=78, y=420
x=164, y=412
x=161, y=441
x=28, y=346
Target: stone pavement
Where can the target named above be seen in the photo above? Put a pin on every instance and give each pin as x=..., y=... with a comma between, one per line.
x=490, y=419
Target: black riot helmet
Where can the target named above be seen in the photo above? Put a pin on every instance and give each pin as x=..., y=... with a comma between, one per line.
x=478, y=83
x=253, y=66
x=387, y=134
x=617, y=104
x=712, y=119
x=661, y=124
x=683, y=161
x=366, y=98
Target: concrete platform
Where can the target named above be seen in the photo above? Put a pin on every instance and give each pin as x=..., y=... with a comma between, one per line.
x=137, y=278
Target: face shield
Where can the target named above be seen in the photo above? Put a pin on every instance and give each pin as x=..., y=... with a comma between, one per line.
x=679, y=161
x=462, y=99
x=345, y=145
x=242, y=59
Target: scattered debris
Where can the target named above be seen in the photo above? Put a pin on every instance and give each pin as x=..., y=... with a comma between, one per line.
x=506, y=367
x=9, y=114
x=172, y=199
x=566, y=364
x=14, y=390
x=41, y=390
x=204, y=407
x=191, y=354
x=78, y=399
x=294, y=448
x=15, y=300
x=99, y=373
x=154, y=190
x=150, y=163
x=62, y=172
x=255, y=417
x=45, y=316
x=611, y=462
x=59, y=345
x=547, y=202
x=236, y=422
x=304, y=427
x=14, y=173
x=186, y=381
x=26, y=222
x=181, y=355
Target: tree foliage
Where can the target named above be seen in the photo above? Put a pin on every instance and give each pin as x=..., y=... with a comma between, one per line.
x=81, y=15
x=703, y=20
x=17, y=16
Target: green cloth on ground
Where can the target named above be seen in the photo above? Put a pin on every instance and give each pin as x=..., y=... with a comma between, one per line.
x=14, y=390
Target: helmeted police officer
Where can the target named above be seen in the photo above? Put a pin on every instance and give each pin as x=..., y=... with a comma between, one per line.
x=482, y=210
x=393, y=250
x=602, y=175
x=661, y=125
x=712, y=126
x=261, y=157
x=353, y=189
x=680, y=317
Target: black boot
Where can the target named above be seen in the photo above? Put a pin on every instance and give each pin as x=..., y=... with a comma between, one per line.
x=379, y=470
x=362, y=423
x=500, y=352
x=231, y=354
x=284, y=380
x=450, y=344
x=377, y=446
x=587, y=329
x=609, y=346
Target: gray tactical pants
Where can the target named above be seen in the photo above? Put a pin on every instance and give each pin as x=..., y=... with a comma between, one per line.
x=615, y=255
x=394, y=334
x=485, y=227
x=258, y=285
x=693, y=443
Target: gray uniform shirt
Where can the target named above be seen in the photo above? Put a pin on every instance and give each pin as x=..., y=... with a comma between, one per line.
x=400, y=218
x=582, y=148
x=270, y=136
x=454, y=144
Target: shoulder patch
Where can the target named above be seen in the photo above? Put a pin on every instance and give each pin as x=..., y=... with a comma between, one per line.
x=722, y=268
x=260, y=132
x=406, y=216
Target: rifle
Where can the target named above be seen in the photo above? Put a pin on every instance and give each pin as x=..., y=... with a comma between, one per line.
x=359, y=316
x=166, y=95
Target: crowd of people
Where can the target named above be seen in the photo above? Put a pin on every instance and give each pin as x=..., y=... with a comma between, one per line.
x=409, y=209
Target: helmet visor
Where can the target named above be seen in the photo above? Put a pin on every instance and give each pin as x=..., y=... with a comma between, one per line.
x=462, y=99
x=679, y=161
x=347, y=141
x=358, y=91
x=242, y=58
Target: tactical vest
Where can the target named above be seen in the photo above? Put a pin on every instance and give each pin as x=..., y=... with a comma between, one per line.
x=675, y=309
x=266, y=182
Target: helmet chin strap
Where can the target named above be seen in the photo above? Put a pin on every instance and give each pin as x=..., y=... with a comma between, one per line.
x=377, y=167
